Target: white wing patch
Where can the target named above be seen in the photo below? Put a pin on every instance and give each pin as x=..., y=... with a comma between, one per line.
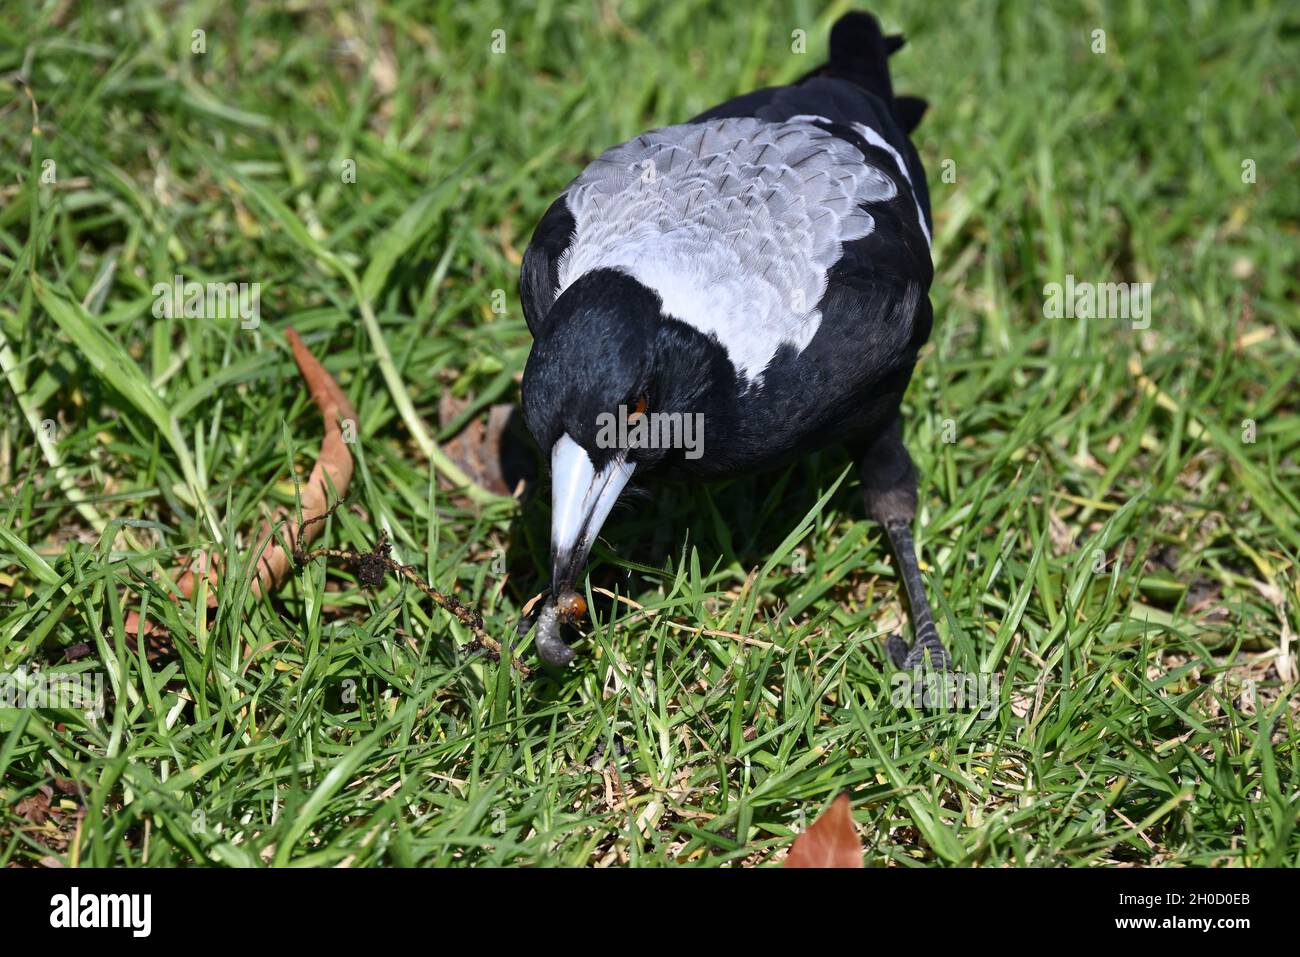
x=734, y=223
x=878, y=141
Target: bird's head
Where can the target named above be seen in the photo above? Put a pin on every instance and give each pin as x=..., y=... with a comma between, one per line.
x=606, y=365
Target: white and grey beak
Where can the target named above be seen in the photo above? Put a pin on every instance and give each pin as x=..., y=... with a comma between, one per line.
x=581, y=500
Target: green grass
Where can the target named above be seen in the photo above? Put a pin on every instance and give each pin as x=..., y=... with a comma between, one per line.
x=1145, y=714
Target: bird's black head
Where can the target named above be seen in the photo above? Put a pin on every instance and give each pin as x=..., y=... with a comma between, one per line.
x=608, y=379
x=595, y=356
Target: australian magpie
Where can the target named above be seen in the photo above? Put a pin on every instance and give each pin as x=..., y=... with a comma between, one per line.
x=763, y=270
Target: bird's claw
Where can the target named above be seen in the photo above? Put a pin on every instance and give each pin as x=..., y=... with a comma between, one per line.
x=896, y=648
x=928, y=651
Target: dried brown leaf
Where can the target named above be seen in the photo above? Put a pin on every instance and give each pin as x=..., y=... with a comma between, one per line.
x=832, y=841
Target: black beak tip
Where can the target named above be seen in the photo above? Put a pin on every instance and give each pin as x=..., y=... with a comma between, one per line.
x=565, y=566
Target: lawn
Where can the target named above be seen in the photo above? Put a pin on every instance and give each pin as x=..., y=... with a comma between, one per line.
x=1108, y=518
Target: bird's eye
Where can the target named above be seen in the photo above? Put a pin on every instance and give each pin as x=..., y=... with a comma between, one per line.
x=638, y=410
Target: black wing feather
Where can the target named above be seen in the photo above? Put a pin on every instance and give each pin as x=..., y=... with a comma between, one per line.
x=539, y=275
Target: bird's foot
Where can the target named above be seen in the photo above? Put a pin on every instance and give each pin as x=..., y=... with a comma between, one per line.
x=927, y=651
x=897, y=649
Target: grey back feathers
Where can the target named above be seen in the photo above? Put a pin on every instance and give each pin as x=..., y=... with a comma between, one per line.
x=734, y=222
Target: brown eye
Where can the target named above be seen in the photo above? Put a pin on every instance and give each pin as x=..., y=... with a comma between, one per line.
x=639, y=409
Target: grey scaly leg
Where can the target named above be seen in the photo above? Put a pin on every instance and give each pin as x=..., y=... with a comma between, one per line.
x=889, y=487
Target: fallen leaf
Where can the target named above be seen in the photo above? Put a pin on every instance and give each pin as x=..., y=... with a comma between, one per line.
x=330, y=476
x=492, y=453
x=329, y=479
x=832, y=841
x=36, y=807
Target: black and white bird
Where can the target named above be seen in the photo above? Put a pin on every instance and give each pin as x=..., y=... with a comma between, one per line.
x=763, y=269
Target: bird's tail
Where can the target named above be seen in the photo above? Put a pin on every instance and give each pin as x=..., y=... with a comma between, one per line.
x=860, y=53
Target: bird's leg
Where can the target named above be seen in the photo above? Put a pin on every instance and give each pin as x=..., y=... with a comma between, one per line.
x=889, y=487
x=927, y=647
